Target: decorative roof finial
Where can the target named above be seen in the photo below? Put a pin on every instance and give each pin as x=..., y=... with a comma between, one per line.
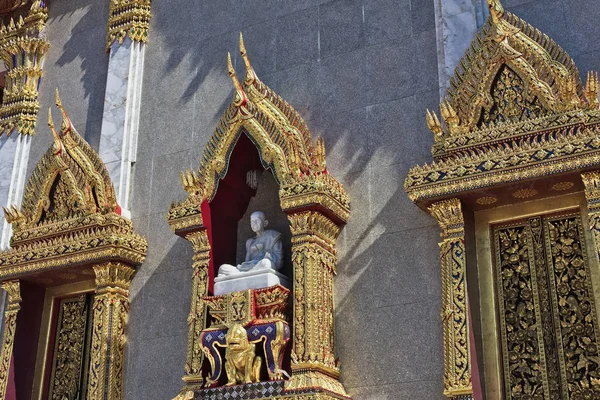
x=250, y=75
x=496, y=10
x=240, y=96
x=66, y=124
x=57, y=146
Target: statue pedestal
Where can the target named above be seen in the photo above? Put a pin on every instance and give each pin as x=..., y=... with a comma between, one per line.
x=258, y=279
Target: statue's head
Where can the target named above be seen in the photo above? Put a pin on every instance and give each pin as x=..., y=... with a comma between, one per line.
x=237, y=338
x=258, y=221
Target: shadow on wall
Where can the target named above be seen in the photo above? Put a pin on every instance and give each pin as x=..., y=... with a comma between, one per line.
x=85, y=51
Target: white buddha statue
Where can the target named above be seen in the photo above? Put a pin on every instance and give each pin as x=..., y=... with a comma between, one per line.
x=263, y=251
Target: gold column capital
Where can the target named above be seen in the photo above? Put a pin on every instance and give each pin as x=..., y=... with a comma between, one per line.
x=449, y=216
x=128, y=18
x=591, y=182
x=13, y=289
x=113, y=276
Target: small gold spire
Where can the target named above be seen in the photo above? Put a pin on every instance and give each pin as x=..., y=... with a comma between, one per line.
x=496, y=10
x=240, y=96
x=66, y=124
x=250, y=75
x=57, y=146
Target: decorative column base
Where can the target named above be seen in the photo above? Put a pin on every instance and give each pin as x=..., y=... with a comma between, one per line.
x=111, y=306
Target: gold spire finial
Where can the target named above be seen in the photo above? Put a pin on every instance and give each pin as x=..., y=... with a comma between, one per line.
x=240, y=96
x=496, y=10
x=57, y=99
x=66, y=124
x=57, y=146
x=250, y=75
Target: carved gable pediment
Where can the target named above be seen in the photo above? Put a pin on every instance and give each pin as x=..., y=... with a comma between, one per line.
x=285, y=145
x=69, y=214
x=70, y=181
x=516, y=110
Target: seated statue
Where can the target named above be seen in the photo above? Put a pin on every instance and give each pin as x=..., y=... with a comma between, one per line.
x=264, y=251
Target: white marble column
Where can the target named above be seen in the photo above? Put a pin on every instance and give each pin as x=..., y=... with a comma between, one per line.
x=14, y=154
x=456, y=24
x=120, y=121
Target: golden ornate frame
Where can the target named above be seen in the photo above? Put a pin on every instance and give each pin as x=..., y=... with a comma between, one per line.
x=556, y=134
x=70, y=219
x=317, y=207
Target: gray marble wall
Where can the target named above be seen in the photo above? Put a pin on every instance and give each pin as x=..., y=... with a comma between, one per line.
x=76, y=64
x=361, y=73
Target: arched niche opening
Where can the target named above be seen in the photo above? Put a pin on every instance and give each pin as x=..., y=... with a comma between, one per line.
x=236, y=199
x=261, y=131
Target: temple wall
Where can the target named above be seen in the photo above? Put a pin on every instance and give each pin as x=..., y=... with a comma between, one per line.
x=361, y=73
x=76, y=64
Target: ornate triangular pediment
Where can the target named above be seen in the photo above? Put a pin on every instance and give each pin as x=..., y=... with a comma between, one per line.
x=513, y=72
x=70, y=181
x=516, y=109
x=69, y=214
x=283, y=140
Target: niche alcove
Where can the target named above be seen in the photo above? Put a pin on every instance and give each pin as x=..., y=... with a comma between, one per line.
x=259, y=131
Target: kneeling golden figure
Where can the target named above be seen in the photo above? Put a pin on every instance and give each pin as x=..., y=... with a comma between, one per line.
x=241, y=362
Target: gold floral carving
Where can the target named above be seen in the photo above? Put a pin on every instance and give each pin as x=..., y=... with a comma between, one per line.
x=524, y=193
x=70, y=218
x=316, y=204
x=455, y=320
x=70, y=340
x=128, y=18
x=23, y=50
x=13, y=305
x=547, y=313
x=111, y=306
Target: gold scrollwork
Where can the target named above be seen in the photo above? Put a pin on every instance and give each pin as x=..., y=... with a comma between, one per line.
x=67, y=368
